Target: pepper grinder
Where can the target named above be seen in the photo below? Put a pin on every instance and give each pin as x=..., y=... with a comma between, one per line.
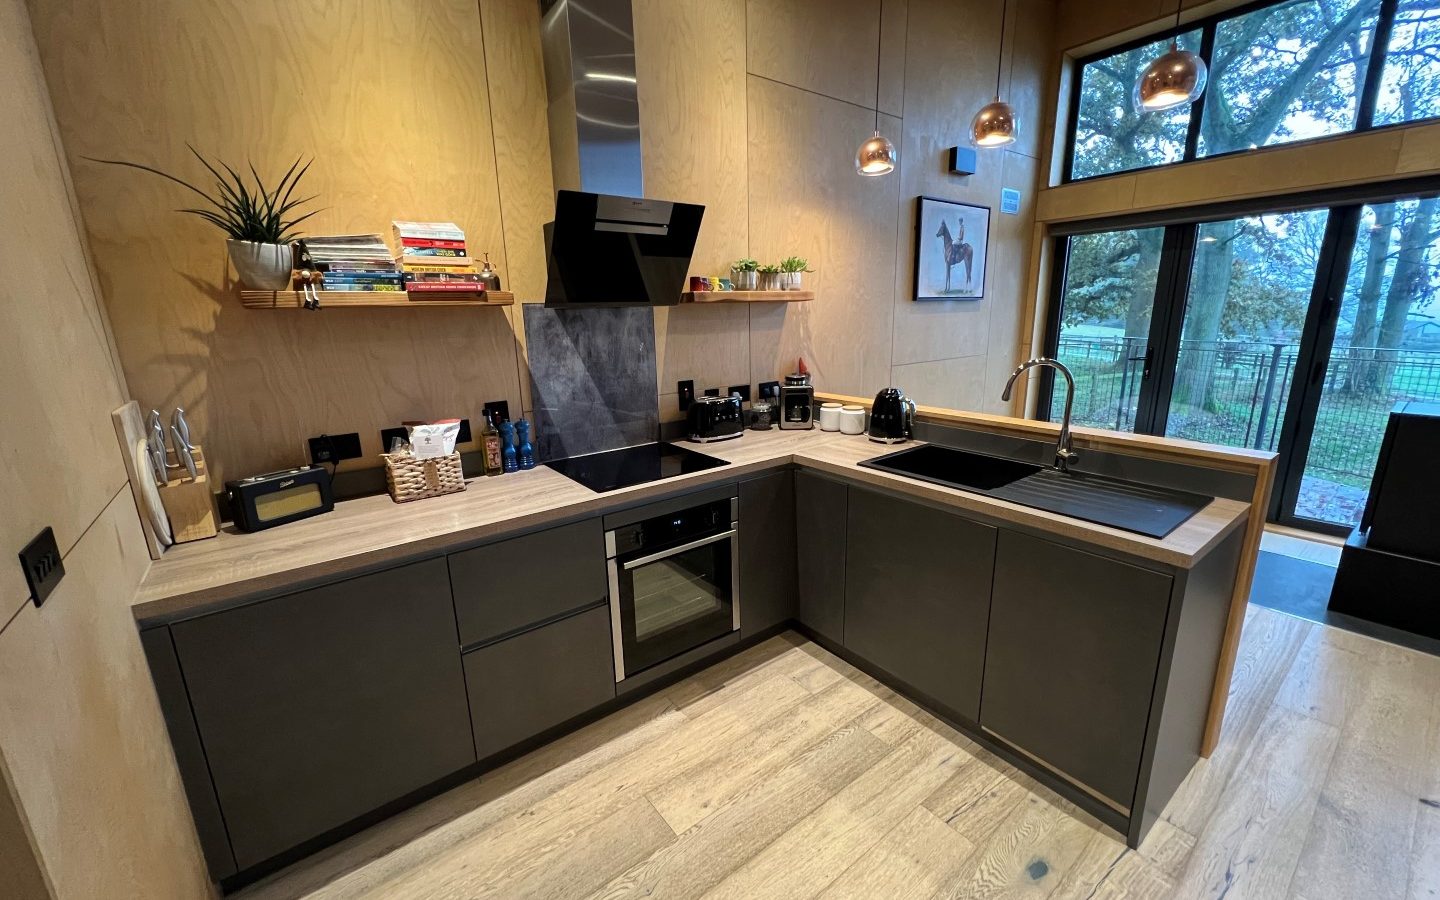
x=527, y=450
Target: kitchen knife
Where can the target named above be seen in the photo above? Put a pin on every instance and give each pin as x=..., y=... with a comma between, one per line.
x=182, y=452
x=177, y=421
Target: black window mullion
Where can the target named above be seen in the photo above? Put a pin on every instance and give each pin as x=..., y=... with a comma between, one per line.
x=1197, y=109
x=1311, y=362
x=1172, y=291
x=1059, y=268
x=1375, y=65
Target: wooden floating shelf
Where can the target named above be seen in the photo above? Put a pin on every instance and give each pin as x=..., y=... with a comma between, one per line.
x=373, y=299
x=747, y=296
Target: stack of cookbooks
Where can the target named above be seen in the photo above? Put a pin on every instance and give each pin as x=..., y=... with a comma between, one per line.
x=352, y=262
x=433, y=260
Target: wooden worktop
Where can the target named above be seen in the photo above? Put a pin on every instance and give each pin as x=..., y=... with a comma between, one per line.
x=374, y=532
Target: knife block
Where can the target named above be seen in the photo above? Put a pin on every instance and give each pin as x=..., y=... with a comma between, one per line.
x=189, y=503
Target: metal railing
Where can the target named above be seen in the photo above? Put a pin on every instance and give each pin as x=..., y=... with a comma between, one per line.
x=1249, y=385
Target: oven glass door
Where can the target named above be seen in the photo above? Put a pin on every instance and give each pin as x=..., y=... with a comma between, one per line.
x=671, y=601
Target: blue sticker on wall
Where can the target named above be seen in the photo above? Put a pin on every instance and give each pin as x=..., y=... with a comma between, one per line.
x=1009, y=201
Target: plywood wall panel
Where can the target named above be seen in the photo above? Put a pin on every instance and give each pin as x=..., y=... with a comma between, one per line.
x=57, y=377
x=807, y=200
x=825, y=46
x=391, y=99
x=81, y=732
x=690, y=62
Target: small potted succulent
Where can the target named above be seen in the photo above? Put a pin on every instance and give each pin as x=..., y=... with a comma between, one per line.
x=256, y=219
x=770, y=277
x=745, y=273
x=792, y=269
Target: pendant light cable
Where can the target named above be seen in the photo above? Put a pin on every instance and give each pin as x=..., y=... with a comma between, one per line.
x=877, y=156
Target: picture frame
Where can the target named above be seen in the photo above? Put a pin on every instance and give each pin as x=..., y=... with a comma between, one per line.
x=952, y=241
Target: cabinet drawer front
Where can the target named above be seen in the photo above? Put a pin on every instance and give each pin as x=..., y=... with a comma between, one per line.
x=917, y=595
x=525, y=684
x=505, y=587
x=1070, y=669
x=318, y=707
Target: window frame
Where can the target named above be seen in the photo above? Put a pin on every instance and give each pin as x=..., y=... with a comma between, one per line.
x=1207, y=25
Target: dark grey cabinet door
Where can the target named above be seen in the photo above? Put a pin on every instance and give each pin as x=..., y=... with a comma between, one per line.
x=1075, y=643
x=317, y=707
x=917, y=595
x=525, y=684
x=510, y=585
x=820, y=505
x=767, y=552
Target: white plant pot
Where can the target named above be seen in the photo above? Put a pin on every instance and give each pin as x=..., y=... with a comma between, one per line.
x=790, y=281
x=261, y=267
x=745, y=279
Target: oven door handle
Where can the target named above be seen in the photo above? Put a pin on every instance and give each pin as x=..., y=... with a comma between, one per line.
x=663, y=554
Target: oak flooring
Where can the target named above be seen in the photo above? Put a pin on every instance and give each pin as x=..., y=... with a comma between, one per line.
x=784, y=772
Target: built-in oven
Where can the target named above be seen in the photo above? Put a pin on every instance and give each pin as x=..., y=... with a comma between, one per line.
x=674, y=584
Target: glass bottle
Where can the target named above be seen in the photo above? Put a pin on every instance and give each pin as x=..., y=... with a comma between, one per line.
x=490, y=447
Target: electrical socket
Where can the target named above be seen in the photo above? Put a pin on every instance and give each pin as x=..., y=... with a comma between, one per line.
x=742, y=390
x=712, y=392
x=770, y=390
x=686, y=392
x=498, y=406
x=333, y=448
x=43, y=565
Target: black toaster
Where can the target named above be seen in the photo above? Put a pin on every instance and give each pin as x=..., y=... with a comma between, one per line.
x=715, y=419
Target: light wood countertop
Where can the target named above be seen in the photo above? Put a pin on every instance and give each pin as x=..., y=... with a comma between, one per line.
x=370, y=533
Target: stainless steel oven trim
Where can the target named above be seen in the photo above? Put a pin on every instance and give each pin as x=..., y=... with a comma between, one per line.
x=616, y=642
x=665, y=554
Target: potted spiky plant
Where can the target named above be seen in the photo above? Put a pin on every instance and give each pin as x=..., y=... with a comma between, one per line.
x=792, y=270
x=745, y=273
x=256, y=219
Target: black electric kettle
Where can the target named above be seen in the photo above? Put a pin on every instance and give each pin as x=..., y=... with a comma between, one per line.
x=892, y=418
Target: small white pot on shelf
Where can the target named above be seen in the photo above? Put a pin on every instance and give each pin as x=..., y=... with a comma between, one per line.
x=261, y=267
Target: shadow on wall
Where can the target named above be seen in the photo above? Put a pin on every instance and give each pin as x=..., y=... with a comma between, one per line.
x=592, y=375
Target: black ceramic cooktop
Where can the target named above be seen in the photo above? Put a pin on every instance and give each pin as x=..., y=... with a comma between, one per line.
x=614, y=469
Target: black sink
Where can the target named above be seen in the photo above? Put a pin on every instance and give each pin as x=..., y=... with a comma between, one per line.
x=1151, y=511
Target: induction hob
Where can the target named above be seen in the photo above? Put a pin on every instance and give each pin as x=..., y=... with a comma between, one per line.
x=611, y=470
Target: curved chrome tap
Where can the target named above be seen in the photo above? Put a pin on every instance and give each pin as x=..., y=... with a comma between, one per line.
x=1064, y=453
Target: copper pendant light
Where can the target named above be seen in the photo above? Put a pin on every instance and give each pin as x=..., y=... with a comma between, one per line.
x=995, y=125
x=1174, y=78
x=877, y=156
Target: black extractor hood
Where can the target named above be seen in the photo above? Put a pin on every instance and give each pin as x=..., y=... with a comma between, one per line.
x=605, y=250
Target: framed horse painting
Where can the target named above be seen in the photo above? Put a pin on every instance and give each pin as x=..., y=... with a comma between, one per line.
x=951, y=240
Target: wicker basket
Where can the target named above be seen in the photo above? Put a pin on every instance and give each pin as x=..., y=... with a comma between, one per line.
x=408, y=478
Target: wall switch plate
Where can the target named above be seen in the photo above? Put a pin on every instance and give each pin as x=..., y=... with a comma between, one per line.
x=333, y=448
x=712, y=392
x=741, y=390
x=686, y=392
x=403, y=433
x=43, y=565
x=770, y=390
x=498, y=406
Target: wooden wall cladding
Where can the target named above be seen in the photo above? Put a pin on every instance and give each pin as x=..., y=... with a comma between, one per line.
x=58, y=378
x=391, y=99
x=830, y=48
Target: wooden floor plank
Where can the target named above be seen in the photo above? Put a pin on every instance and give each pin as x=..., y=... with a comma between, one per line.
x=703, y=856
x=1029, y=854
x=802, y=862
x=1250, y=848
x=913, y=862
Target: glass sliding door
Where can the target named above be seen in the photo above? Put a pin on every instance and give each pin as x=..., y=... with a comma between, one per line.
x=1386, y=349
x=1106, y=304
x=1249, y=290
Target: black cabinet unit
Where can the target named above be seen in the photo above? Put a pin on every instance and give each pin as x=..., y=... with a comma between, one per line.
x=1070, y=671
x=1403, y=512
x=523, y=685
x=917, y=595
x=318, y=707
x=820, y=505
x=768, y=581
x=508, y=586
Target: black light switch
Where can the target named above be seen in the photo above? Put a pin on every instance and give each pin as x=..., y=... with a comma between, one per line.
x=42, y=564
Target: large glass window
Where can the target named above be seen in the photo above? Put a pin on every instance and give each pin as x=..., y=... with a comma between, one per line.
x=1285, y=71
x=1111, y=133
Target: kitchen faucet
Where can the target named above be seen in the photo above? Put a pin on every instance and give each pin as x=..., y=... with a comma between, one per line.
x=1064, y=453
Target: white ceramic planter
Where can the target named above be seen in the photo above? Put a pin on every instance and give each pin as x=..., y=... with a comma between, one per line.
x=261, y=267
x=745, y=279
